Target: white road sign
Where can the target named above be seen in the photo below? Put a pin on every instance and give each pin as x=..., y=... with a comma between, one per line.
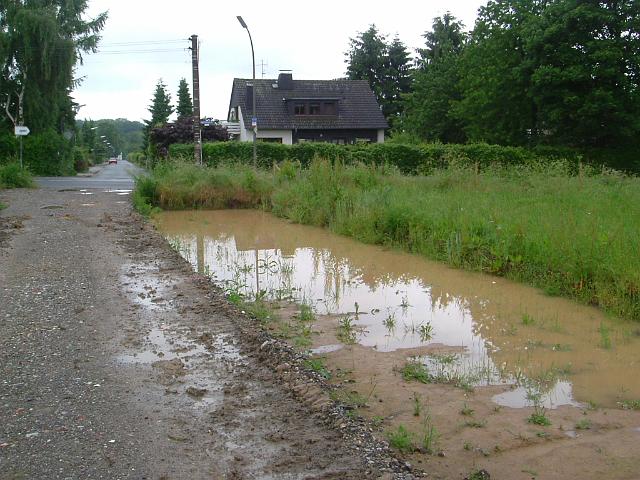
x=21, y=130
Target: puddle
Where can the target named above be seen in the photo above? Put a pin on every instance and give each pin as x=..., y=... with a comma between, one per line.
x=118, y=191
x=506, y=333
x=223, y=349
x=163, y=347
x=326, y=349
x=147, y=290
x=84, y=192
x=559, y=394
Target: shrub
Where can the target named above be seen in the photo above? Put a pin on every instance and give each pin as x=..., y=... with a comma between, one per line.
x=12, y=176
x=48, y=153
x=8, y=146
x=81, y=159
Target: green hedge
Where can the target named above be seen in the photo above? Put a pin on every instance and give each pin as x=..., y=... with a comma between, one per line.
x=45, y=153
x=409, y=159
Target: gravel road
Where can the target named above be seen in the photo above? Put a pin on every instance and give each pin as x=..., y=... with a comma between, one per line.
x=117, y=361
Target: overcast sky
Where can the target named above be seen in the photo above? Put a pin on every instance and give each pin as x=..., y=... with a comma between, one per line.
x=309, y=38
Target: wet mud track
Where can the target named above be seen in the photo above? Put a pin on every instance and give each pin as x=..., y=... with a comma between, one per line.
x=117, y=361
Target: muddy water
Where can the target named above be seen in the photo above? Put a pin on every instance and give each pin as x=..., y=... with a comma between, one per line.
x=499, y=332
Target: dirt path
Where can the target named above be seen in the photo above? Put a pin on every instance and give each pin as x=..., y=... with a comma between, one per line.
x=117, y=361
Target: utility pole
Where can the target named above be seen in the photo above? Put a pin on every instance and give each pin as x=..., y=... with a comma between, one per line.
x=197, y=132
x=262, y=65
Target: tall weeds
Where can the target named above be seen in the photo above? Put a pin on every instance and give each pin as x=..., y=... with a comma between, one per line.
x=13, y=176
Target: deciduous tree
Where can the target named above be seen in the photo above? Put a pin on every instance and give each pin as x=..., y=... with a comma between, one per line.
x=384, y=65
x=40, y=44
x=428, y=109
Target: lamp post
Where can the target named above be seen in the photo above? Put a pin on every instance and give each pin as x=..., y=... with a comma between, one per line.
x=254, y=120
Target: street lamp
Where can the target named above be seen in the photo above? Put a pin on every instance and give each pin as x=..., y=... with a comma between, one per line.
x=254, y=120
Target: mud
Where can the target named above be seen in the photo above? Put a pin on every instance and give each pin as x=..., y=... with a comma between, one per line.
x=512, y=347
x=117, y=361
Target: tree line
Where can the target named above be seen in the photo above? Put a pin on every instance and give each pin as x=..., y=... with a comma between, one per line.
x=530, y=72
x=41, y=43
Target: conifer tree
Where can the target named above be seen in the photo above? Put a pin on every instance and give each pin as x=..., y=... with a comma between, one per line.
x=184, y=108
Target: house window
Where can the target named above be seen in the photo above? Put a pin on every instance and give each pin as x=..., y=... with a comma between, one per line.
x=300, y=109
x=314, y=108
x=329, y=108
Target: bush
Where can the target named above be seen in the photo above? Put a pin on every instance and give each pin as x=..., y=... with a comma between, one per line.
x=48, y=153
x=81, y=159
x=8, y=146
x=138, y=158
x=12, y=176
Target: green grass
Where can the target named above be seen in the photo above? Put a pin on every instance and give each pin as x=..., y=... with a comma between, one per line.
x=605, y=336
x=346, y=331
x=583, y=424
x=351, y=399
x=539, y=418
x=12, y=176
x=466, y=411
x=541, y=225
x=317, y=365
x=416, y=372
x=630, y=404
x=259, y=310
x=527, y=319
x=401, y=439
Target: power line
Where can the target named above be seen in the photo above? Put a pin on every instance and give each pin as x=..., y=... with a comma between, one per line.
x=138, y=51
x=143, y=42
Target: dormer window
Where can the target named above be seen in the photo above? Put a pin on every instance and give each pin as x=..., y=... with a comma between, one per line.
x=315, y=107
x=330, y=108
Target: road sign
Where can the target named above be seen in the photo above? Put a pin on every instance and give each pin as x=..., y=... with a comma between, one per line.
x=21, y=130
x=254, y=122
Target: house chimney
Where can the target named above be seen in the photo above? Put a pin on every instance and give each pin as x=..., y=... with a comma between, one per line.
x=285, y=80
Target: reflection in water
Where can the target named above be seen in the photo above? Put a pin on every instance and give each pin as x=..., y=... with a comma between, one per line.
x=505, y=331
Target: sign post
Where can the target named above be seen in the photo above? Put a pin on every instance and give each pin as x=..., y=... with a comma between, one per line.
x=21, y=131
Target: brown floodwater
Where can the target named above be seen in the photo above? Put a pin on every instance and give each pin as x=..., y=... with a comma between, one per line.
x=503, y=333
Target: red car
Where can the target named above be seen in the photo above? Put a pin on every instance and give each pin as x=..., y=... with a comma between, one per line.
x=113, y=160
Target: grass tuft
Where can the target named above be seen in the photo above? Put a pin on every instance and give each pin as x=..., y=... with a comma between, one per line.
x=401, y=439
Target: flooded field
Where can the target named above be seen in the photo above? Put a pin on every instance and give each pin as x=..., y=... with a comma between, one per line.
x=478, y=356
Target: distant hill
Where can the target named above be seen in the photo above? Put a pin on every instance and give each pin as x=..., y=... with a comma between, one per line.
x=124, y=135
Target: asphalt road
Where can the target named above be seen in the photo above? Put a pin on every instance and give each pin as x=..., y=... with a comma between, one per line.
x=109, y=177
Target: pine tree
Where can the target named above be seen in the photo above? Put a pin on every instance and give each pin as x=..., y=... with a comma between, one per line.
x=160, y=110
x=160, y=107
x=184, y=108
